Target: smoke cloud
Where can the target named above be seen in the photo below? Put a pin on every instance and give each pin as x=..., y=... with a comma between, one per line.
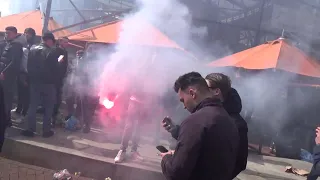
x=149, y=69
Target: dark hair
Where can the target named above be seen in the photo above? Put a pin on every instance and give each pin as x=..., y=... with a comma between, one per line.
x=48, y=36
x=221, y=81
x=190, y=79
x=12, y=29
x=30, y=31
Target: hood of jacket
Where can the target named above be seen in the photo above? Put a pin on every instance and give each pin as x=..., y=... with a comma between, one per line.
x=233, y=104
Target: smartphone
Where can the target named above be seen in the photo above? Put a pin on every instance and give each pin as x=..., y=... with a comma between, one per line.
x=162, y=149
x=166, y=120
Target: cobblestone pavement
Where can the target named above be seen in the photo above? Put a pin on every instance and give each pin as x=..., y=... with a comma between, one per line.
x=13, y=170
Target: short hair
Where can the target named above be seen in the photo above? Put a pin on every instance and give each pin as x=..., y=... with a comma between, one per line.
x=30, y=31
x=190, y=79
x=221, y=81
x=12, y=29
x=48, y=36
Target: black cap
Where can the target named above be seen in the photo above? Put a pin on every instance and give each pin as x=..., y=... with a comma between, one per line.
x=48, y=36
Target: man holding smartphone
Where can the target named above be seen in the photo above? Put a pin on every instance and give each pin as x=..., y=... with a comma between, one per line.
x=207, y=139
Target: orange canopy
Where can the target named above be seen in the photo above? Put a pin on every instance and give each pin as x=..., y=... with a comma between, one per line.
x=110, y=32
x=31, y=19
x=277, y=54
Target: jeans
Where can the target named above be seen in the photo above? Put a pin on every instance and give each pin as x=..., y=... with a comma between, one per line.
x=41, y=94
x=58, y=101
x=133, y=123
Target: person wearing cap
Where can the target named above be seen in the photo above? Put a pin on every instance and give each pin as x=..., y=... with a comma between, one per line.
x=43, y=67
x=10, y=62
x=22, y=82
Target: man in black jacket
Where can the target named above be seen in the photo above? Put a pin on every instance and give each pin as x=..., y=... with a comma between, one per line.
x=10, y=66
x=220, y=86
x=315, y=171
x=42, y=70
x=207, y=139
x=63, y=66
x=22, y=82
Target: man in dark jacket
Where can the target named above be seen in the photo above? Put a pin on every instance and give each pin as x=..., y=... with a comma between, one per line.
x=63, y=66
x=22, y=82
x=315, y=171
x=42, y=70
x=10, y=66
x=208, y=138
x=220, y=86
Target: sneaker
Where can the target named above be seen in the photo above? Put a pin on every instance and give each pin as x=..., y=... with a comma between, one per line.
x=136, y=156
x=16, y=110
x=48, y=134
x=27, y=133
x=15, y=115
x=120, y=157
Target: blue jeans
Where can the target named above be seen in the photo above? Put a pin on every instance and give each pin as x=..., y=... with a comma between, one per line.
x=41, y=94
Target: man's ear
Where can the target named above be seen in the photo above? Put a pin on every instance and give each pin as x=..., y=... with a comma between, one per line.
x=216, y=91
x=192, y=92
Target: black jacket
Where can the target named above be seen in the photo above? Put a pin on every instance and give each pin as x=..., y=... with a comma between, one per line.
x=10, y=60
x=63, y=65
x=233, y=106
x=315, y=171
x=207, y=145
x=43, y=65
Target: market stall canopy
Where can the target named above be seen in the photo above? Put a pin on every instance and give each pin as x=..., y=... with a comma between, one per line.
x=30, y=19
x=278, y=54
x=145, y=34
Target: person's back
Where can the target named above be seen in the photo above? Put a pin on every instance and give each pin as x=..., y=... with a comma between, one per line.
x=233, y=106
x=218, y=151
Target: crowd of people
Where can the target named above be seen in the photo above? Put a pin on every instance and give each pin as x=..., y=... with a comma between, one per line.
x=212, y=142
x=37, y=72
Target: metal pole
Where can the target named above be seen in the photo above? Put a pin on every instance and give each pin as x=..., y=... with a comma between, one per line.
x=88, y=21
x=46, y=17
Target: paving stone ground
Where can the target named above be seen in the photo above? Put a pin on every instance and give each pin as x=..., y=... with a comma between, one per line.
x=13, y=170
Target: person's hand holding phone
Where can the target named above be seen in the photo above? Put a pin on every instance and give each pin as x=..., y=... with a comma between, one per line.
x=168, y=124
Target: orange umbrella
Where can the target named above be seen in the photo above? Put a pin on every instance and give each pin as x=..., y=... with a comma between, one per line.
x=110, y=32
x=31, y=19
x=278, y=54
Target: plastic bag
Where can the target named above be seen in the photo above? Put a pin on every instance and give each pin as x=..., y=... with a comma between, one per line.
x=306, y=156
x=62, y=175
x=72, y=124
